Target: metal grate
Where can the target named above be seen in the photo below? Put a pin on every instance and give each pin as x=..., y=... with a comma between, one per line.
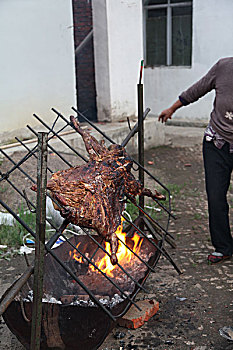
x=145, y=225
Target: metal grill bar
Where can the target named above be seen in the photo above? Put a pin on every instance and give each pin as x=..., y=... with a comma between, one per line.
x=93, y=125
x=138, y=290
x=28, y=149
x=58, y=233
x=144, y=235
x=169, y=194
x=135, y=129
x=28, y=176
x=161, y=250
x=52, y=149
x=121, y=267
x=66, y=268
x=59, y=137
x=39, y=241
x=144, y=262
x=104, y=274
x=138, y=164
x=150, y=217
x=17, y=166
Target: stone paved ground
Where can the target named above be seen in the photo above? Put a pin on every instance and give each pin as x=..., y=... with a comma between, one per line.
x=194, y=305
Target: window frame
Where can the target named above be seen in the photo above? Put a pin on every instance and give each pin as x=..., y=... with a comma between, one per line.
x=169, y=7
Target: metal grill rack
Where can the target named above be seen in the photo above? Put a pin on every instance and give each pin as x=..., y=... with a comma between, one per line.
x=158, y=233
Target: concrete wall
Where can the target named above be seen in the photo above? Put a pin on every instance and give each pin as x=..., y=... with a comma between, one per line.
x=37, y=60
x=212, y=39
x=118, y=47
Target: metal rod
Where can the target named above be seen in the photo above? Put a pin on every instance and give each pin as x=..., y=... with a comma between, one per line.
x=93, y=125
x=40, y=241
x=180, y=4
x=103, y=273
x=151, y=219
x=141, y=147
x=28, y=149
x=169, y=195
x=96, y=250
x=11, y=293
x=157, y=230
x=121, y=267
x=52, y=149
x=169, y=36
x=22, y=195
x=126, y=140
x=172, y=262
x=138, y=290
x=51, y=252
x=131, y=250
x=136, y=162
x=144, y=235
x=134, y=130
x=59, y=137
x=33, y=181
x=16, y=166
x=58, y=233
x=164, y=253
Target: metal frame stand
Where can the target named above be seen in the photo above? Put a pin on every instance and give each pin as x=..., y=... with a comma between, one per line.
x=144, y=218
x=39, y=241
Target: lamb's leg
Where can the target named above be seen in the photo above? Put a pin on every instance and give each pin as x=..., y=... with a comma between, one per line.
x=69, y=213
x=154, y=195
x=113, y=240
x=93, y=147
x=134, y=188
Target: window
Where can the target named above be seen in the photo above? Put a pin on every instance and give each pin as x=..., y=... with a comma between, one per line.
x=168, y=29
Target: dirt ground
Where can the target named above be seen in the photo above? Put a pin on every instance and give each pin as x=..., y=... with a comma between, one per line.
x=193, y=305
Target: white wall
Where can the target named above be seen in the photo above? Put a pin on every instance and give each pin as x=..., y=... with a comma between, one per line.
x=37, y=69
x=118, y=46
x=212, y=39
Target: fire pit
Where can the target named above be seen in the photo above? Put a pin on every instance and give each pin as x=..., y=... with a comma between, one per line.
x=71, y=320
x=83, y=293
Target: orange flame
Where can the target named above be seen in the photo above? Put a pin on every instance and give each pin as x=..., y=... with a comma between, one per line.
x=75, y=254
x=124, y=255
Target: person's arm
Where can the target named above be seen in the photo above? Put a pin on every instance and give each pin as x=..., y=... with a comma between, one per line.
x=167, y=113
x=192, y=94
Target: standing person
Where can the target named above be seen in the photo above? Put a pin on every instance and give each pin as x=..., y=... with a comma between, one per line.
x=217, y=150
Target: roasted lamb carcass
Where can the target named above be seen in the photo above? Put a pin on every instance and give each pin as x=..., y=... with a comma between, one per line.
x=92, y=195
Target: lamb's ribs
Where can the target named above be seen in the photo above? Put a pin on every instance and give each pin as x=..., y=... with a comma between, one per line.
x=92, y=195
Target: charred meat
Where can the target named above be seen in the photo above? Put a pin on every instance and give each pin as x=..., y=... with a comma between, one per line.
x=92, y=195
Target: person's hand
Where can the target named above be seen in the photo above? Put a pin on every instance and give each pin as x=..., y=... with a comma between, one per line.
x=165, y=115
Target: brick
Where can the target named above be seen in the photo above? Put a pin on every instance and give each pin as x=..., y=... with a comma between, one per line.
x=134, y=318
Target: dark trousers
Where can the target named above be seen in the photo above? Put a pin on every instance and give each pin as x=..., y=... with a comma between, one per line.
x=218, y=165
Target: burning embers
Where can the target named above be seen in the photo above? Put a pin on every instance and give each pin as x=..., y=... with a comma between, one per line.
x=91, y=264
x=131, y=254
x=126, y=257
